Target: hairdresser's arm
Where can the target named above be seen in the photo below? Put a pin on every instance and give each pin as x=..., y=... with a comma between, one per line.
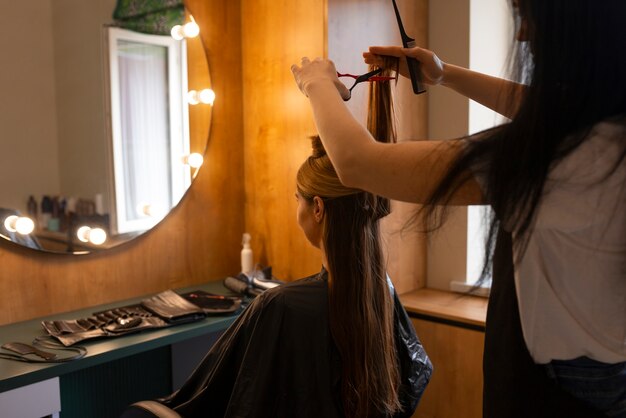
x=407, y=171
x=500, y=95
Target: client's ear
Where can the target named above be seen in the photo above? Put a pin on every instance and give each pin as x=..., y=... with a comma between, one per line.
x=318, y=209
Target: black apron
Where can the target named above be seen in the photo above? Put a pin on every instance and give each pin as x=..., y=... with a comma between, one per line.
x=514, y=386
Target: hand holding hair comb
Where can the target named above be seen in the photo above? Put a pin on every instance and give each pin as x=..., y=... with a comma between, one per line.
x=412, y=63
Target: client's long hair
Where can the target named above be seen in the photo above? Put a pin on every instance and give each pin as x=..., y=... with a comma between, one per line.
x=360, y=303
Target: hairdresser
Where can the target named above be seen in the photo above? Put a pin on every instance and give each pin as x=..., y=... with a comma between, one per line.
x=555, y=176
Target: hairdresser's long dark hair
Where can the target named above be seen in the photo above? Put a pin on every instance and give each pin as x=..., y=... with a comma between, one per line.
x=575, y=66
x=360, y=304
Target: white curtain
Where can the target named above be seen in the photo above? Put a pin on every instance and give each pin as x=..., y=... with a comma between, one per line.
x=145, y=126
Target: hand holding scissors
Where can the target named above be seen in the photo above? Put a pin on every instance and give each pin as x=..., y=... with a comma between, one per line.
x=371, y=76
x=319, y=69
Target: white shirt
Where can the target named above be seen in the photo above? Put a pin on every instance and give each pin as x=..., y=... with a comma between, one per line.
x=571, y=281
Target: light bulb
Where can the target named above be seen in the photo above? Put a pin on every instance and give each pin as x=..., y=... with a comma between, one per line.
x=24, y=225
x=20, y=224
x=96, y=236
x=193, y=97
x=143, y=209
x=207, y=96
x=191, y=29
x=194, y=160
x=83, y=233
x=178, y=33
x=9, y=223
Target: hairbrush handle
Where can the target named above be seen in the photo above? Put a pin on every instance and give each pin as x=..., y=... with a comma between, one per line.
x=238, y=286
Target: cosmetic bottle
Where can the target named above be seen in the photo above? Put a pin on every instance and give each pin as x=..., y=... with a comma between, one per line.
x=31, y=208
x=247, y=259
x=46, y=211
x=54, y=221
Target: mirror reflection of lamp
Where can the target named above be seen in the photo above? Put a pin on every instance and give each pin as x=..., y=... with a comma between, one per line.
x=206, y=96
x=151, y=210
x=20, y=224
x=188, y=30
x=96, y=236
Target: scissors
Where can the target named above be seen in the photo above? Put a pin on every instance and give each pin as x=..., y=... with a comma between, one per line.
x=371, y=76
x=412, y=63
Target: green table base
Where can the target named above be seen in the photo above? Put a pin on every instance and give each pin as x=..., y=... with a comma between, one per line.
x=103, y=391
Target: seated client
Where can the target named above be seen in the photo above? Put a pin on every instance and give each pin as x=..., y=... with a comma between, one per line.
x=335, y=344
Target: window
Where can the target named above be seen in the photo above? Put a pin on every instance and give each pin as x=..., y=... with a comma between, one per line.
x=490, y=31
x=149, y=124
x=476, y=35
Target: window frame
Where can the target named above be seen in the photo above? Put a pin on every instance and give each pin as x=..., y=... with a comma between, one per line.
x=179, y=141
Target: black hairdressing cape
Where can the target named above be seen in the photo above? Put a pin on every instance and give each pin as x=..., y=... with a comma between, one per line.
x=278, y=360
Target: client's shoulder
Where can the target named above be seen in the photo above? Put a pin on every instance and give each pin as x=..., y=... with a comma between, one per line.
x=308, y=295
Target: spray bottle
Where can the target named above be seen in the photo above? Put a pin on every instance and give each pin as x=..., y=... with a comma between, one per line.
x=247, y=259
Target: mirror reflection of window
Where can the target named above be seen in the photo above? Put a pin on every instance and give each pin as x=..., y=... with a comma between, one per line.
x=149, y=123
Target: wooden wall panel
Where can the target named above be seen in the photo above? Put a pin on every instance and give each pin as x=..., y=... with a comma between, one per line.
x=198, y=241
x=455, y=389
x=278, y=120
x=277, y=124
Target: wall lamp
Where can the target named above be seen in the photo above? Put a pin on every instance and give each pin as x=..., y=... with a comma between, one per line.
x=194, y=161
x=96, y=236
x=20, y=224
x=188, y=30
x=206, y=96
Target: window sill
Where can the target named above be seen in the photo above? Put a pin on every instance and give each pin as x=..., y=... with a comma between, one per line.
x=465, y=288
x=448, y=307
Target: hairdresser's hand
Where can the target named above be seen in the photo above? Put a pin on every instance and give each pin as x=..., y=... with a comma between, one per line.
x=431, y=67
x=318, y=71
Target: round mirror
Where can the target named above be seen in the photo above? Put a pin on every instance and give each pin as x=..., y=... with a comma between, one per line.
x=103, y=128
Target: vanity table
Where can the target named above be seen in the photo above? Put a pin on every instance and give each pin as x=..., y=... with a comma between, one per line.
x=115, y=372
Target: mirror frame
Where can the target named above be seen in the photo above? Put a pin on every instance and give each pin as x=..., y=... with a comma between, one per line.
x=199, y=133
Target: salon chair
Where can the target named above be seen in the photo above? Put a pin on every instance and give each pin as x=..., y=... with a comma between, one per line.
x=149, y=409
